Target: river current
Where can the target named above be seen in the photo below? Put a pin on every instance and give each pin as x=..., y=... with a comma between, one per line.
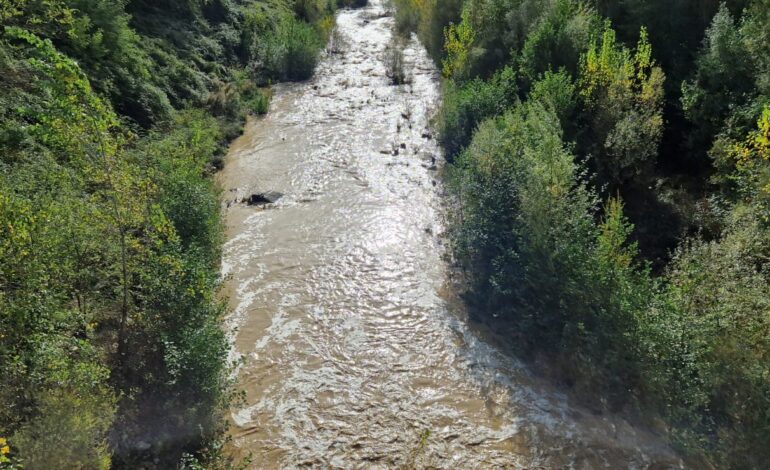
x=353, y=351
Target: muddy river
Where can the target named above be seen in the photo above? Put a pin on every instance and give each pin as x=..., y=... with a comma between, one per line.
x=353, y=352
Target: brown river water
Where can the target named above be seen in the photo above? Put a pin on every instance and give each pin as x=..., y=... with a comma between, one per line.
x=353, y=351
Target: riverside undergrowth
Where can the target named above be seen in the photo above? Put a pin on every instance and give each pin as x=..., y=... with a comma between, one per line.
x=610, y=181
x=114, y=115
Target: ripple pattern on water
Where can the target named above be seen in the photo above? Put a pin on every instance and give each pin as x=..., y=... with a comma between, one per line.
x=353, y=354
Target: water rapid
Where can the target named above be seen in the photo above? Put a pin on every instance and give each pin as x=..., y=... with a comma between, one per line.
x=354, y=352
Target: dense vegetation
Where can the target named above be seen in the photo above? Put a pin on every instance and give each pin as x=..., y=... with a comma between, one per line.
x=610, y=165
x=113, y=116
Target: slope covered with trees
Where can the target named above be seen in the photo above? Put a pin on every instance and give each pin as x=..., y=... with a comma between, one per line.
x=609, y=166
x=113, y=116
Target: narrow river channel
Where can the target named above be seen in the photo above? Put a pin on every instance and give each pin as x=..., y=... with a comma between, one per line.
x=354, y=354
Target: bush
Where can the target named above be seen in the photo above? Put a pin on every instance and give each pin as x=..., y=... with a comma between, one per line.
x=465, y=106
x=558, y=94
x=109, y=249
x=723, y=78
x=292, y=51
x=394, y=62
x=527, y=234
x=623, y=98
x=74, y=412
x=687, y=338
x=407, y=16
x=558, y=40
x=706, y=359
x=427, y=18
x=259, y=103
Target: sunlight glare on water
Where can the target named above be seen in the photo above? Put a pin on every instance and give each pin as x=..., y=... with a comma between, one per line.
x=353, y=352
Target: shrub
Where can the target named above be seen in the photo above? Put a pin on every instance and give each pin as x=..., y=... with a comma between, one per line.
x=707, y=347
x=259, y=102
x=623, y=97
x=458, y=41
x=465, y=106
x=407, y=16
x=292, y=51
x=75, y=410
x=558, y=40
x=394, y=62
x=427, y=18
x=723, y=78
x=526, y=232
x=557, y=93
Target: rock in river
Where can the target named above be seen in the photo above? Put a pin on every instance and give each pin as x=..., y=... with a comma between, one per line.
x=268, y=197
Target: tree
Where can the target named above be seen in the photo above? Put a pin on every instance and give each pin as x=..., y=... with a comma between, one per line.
x=623, y=98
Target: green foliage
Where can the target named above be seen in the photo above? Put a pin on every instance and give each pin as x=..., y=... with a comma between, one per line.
x=111, y=54
x=407, y=16
x=558, y=39
x=234, y=99
x=54, y=19
x=435, y=17
x=291, y=52
x=312, y=11
x=729, y=87
x=570, y=287
x=75, y=409
x=256, y=24
x=751, y=160
x=467, y=105
x=55, y=382
x=723, y=79
x=711, y=344
x=558, y=94
x=428, y=18
x=110, y=325
x=458, y=41
x=623, y=94
x=148, y=58
x=686, y=336
x=676, y=29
